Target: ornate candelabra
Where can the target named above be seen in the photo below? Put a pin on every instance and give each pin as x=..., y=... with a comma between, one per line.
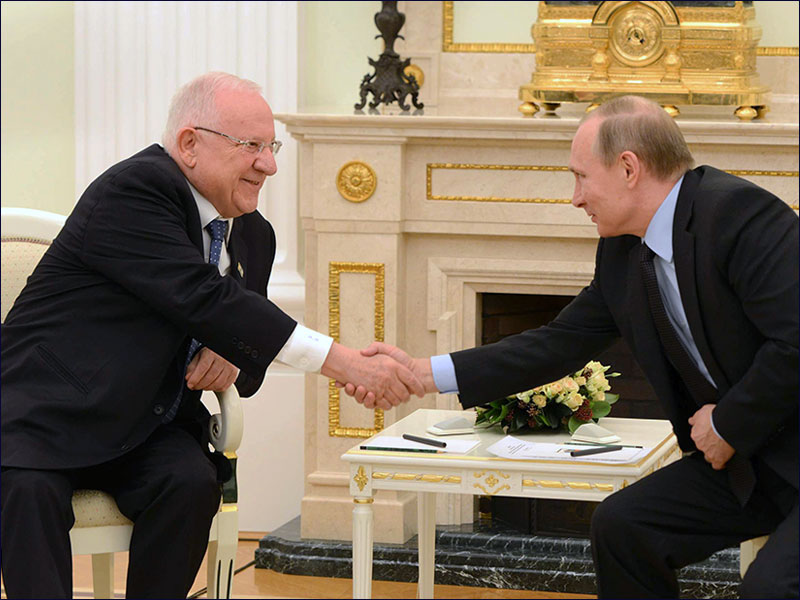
x=389, y=82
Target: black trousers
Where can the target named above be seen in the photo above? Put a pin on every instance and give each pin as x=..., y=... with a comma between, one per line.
x=683, y=513
x=167, y=486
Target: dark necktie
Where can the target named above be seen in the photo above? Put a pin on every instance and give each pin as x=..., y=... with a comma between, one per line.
x=217, y=228
x=740, y=470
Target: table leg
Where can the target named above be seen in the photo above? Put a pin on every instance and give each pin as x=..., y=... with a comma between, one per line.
x=426, y=536
x=362, y=548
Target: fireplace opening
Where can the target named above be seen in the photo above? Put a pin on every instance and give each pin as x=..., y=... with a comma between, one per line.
x=506, y=314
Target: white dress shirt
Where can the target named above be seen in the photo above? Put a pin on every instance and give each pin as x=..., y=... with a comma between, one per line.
x=305, y=349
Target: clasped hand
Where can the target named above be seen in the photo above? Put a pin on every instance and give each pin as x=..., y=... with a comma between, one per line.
x=398, y=376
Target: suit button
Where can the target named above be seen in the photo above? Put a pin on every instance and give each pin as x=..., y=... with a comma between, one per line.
x=158, y=410
x=240, y=345
x=247, y=350
x=235, y=340
x=254, y=354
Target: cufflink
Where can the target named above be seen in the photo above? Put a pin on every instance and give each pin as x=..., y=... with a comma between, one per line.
x=240, y=269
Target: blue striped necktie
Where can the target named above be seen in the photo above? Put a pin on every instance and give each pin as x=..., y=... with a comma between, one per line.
x=217, y=228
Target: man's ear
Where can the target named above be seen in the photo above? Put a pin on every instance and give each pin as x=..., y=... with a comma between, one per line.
x=631, y=167
x=186, y=145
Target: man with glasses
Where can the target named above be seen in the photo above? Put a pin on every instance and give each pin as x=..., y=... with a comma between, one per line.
x=154, y=290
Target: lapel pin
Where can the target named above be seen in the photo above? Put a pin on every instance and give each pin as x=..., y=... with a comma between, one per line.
x=240, y=269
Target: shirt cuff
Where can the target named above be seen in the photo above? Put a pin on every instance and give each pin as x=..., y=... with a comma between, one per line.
x=444, y=374
x=305, y=349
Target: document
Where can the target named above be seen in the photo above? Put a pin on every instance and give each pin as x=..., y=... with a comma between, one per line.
x=398, y=444
x=511, y=447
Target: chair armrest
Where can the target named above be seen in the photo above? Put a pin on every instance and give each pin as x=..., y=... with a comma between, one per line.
x=227, y=426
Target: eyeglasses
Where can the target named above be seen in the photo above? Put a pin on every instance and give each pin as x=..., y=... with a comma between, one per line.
x=249, y=145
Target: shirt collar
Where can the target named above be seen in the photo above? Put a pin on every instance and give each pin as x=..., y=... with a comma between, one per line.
x=207, y=212
x=658, y=236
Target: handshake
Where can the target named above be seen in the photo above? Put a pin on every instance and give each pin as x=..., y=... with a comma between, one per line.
x=379, y=376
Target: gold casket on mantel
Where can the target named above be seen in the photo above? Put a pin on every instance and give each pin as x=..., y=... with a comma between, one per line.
x=675, y=53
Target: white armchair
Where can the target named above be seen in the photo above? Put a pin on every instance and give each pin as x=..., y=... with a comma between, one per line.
x=100, y=529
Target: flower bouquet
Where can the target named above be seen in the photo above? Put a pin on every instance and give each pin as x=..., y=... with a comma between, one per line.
x=567, y=403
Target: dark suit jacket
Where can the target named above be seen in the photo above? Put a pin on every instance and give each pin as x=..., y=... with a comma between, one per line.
x=736, y=258
x=94, y=348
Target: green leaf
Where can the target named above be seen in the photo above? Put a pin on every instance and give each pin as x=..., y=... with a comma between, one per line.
x=611, y=398
x=504, y=412
x=574, y=423
x=600, y=409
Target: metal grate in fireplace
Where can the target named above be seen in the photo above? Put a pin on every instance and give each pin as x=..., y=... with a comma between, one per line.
x=506, y=314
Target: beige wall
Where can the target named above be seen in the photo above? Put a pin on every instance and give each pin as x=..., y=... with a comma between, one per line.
x=38, y=154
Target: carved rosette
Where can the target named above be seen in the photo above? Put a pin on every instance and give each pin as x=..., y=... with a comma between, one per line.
x=356, y=181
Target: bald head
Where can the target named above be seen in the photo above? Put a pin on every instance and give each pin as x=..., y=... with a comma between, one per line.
x=638, y=125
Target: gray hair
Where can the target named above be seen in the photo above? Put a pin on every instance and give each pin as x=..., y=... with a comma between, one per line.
x=194, y=104
x=639, y=125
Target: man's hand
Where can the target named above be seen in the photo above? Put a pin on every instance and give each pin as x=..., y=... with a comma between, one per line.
x=386, y=381
x=209, y=371
x=716, y=450
x=420, y=367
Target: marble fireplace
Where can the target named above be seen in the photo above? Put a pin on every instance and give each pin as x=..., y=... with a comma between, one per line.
x=409, y=218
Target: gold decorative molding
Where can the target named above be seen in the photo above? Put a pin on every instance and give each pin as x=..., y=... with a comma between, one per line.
x=27, y=240
x=363, y=500
x=417, y=72
x=492, y=482
x=356, y=181
x=500, y=47
x=335, y=269
x=461, y=166
x=552, y=168
x=361, y=478
x=577, y=485
x=426, y=477
x=777, y=51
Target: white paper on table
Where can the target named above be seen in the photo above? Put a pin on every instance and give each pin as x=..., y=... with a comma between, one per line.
x=511, y=447
x=390, y=442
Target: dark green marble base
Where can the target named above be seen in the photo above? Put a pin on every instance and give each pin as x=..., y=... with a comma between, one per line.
x=482, y=555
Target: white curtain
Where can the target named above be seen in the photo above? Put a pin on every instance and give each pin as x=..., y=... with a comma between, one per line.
x=130, y=57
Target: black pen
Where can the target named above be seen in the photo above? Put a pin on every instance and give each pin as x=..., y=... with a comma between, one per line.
x=598, y=450
x=383, y=449
x=595, y=444
x=422, y=440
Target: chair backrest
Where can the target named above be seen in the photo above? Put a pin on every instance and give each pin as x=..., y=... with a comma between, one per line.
x=26, y=234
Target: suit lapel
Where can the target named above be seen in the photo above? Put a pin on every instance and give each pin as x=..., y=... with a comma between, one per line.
x=683, y=248
x=238, y=251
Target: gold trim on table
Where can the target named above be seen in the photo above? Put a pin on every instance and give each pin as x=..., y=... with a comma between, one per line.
x=335, y=269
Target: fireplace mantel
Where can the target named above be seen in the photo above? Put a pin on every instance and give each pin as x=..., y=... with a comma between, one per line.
x=443, y=207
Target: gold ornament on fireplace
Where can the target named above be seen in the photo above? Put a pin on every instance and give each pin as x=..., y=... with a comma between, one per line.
x=676, y=53
x=356, y=181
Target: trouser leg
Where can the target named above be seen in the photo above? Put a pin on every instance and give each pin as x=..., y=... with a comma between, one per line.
x=36, y=519
x=679, y=515
x=168, y=487
x=774, y=572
